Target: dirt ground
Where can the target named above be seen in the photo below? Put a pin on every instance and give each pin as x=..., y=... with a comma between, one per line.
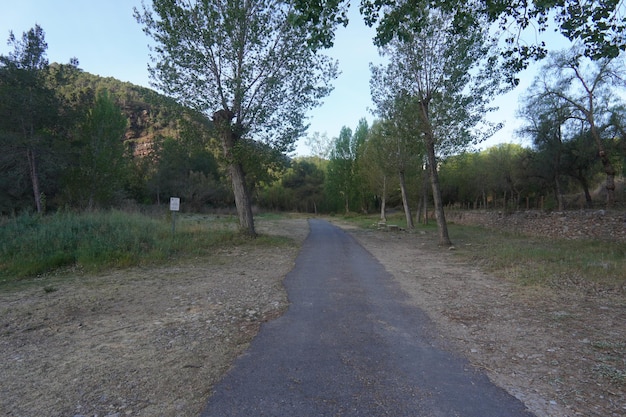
x=153, y=341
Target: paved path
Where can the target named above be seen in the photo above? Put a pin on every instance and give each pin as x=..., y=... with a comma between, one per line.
x=349, y=345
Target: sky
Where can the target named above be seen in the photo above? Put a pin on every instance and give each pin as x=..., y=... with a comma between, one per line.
x=108, y=41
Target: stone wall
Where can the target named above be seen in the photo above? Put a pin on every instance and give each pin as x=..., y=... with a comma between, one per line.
x=592, y=224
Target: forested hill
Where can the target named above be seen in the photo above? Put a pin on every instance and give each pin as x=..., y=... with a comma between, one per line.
x=69, y=138
x=149, y=113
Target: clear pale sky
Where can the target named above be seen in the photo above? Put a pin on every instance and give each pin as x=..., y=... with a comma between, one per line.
x=107, y=41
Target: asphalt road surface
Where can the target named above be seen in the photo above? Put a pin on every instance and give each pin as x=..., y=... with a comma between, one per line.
x=350, y=345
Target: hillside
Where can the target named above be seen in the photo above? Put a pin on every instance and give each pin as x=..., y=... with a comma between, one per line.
x=70, y=155
x=149, y=113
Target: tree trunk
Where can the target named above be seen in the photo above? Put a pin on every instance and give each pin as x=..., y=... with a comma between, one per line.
x=557, y=170
x=34, y=177
x=383, y=202
x=606, y=161
x=236, y=172
x=558, y=193
x=422, y=211
x=429, y=142
x=405, y=201
x=583, y=182
x=442, y=226
x=242, y=198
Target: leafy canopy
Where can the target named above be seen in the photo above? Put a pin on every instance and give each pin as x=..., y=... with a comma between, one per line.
x=598, y=24
x=441, y=79
x=247, y=58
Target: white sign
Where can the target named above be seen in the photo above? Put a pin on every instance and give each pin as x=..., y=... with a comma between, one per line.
x=174, y=204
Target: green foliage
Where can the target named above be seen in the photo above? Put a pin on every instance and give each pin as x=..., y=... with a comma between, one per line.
x=343, y=184
x=573, y=103
x=32, y=245
x=244, y=58
x=599, y=24
x=248, y=66
x=300, y=189
x=180, y=169
x=510, y=177
x=29, y=53
x=29, y=117
x=51, y=151
x=102, y=162
x=320, y=18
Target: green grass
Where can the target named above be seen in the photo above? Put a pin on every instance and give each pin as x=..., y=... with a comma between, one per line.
x=556, y=263
x=31, y=245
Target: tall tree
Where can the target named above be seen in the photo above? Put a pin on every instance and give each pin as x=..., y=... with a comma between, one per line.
x=379, y=163
x=501, y=162
x=589, y=90
x=28, y=108
x=340, y=170
x=359, y=138
x=102, y=163
x=545, y=117
x=401, y=127
x=246, y=64
x=580, y=162
x=448, y=76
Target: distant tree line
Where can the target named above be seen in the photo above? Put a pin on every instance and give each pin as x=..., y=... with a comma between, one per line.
x=72, y=140
x=359, y=176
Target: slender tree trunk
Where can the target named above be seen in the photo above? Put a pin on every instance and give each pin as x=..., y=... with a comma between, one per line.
x=34, y=177
x=583, y=183
x=557, y=170
x=558, y=193
x=429, y=142
x=442, y=226
x=422, y=212
x=236, y=172
x=405, y=201
x=418, y=212
x=383, y=202
x=604, y=157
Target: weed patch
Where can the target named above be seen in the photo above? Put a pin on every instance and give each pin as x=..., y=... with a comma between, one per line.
x=33, y=245
x=591, y=265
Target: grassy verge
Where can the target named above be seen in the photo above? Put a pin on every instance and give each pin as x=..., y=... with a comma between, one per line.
x=556, y=263
x=33, y=245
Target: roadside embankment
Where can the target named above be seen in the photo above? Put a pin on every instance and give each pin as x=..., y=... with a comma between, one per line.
x=584, y=224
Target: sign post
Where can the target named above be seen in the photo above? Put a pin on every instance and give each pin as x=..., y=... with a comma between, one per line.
x=174, y=207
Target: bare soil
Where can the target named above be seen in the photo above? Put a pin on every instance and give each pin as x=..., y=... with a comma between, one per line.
x=153, y=341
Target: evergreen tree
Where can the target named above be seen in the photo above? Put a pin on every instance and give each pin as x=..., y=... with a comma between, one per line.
x=28, y=112
x=102, y=168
